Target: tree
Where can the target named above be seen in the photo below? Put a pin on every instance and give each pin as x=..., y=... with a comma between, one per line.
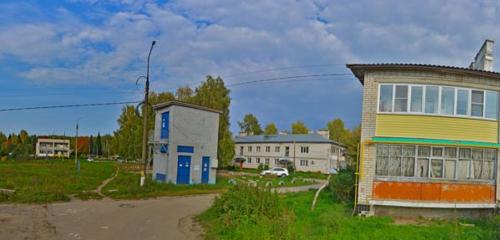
x=250, y=125
x=352, y=142
x=337, y=131
x=271, y=129
x=214, y=94
x=299, y=127
x=98, y=145
x=91, y=145
x=184, y=94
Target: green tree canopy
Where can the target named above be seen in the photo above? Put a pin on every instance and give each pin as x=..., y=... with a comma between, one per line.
x=299, y=127
x=337, y=131
x=271, y=129
x=250, y=125
x=184, y=94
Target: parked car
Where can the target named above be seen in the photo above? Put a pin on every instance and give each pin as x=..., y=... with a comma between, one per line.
x=280, y=172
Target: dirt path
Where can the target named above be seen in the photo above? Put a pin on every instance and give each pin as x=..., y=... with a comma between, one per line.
x=105, y=182
x=159, y=218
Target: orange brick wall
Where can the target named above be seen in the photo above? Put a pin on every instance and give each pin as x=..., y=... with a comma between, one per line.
x=436, y=192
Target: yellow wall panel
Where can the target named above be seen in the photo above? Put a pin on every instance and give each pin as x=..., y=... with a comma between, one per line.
x=436, y=127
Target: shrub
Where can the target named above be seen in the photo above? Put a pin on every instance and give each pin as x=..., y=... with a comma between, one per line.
x=246, y=212
x=266, y=167
x=342, y=185
x=260, y=167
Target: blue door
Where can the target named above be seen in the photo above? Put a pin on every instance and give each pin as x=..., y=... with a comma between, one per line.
x=205, y=169
x=164, y=125
x=183, y=169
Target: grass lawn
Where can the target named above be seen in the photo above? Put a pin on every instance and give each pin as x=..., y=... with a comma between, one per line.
x=43, y=181
x=316, y=175
x=333, y=221
x=126, y=185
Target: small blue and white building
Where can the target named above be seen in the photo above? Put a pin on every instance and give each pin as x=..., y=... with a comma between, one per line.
x=185, y=143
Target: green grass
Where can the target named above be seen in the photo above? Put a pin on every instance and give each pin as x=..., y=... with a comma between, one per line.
x=333, y=221
x=126, y=186
x=43, y=181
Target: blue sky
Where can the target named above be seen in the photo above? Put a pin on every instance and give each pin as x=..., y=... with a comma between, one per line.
x=86, y=51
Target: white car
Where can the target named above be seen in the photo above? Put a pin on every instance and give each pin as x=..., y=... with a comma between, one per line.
x=280, y=172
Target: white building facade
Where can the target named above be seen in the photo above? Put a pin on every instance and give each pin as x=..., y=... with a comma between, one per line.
x=307, y=152
x=46, y=147
x=185, y=143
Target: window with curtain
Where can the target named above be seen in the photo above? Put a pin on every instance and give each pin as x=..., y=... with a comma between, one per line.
x=401, y=98
x=448, y=100
x=477, y=99
x=407, y=160
x=385, y=99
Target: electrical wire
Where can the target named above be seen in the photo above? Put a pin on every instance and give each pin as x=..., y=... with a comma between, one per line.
x=68, y=106
x=288, y=78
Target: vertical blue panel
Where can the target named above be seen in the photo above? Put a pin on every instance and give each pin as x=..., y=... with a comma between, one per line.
x=164, y=125
x=185, y=149
x=205, y=169
x=183, y=169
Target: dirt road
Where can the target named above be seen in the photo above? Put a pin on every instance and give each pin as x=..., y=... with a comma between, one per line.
x=160, y=218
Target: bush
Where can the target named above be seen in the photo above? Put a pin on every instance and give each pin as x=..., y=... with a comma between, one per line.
x=260, y=167
x=342, y=185
x=246, y=212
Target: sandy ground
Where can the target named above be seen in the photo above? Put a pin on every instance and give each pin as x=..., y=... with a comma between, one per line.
x=160, y=218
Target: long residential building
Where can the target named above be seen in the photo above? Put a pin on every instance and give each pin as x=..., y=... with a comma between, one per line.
x=307, y=152
x=49, y=147
x=429, y=138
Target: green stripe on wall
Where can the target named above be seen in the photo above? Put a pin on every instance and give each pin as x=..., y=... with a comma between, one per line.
x=434, y=142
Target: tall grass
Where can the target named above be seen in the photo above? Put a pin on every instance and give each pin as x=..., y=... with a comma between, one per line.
x=246, y=212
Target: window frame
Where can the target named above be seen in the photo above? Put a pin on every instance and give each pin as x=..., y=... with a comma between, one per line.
x=456, y=88
x=443, y=158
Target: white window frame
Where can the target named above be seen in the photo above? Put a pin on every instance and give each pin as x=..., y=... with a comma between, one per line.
x=409, y=112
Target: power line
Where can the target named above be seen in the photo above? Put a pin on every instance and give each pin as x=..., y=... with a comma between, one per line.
x=282, y=68
x=287, y=78
x=68, y=106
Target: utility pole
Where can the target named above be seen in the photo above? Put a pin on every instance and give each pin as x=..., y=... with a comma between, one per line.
x=77, y=162
x=145, y=105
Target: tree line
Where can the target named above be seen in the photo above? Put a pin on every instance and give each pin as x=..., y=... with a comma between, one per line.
x=336, y=128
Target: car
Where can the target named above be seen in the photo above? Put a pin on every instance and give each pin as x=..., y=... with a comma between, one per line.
x=277, y=171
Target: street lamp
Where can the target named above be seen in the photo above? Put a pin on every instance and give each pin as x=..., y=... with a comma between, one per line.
x=145, y=105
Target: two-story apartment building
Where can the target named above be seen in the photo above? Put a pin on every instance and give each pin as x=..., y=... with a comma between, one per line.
x=429, y=138
x=50, y=147
x=185, y=143
x=307, y=152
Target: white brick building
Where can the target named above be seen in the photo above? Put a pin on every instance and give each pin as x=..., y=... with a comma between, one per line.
x=307, y=152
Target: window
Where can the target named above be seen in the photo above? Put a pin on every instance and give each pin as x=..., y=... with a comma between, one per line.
x=304, y=163
x=443, y=100
x=250, y=148
x=277, y=149
x=385, y=100
x=435, y=162
x=312, y=162
x=462, y=102
x=416, y=98
x=401, y=98
x=431, y=99
x=241, y=150
x=287, y=151
x=491, y=109
x=268, y=148
x=267, y=161
x=258, y=160
x=304, y=149
x=258, y=149
x=276, y=161
x=249, y=160
x=477, y=103
x=447, y=100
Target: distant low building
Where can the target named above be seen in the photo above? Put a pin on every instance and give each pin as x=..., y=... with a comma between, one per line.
x=47, y=147
x=307, y=152
x=185, y=143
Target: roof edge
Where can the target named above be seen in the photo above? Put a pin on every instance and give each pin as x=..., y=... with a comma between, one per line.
x=184, y=104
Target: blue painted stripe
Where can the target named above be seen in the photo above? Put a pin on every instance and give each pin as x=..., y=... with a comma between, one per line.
x=185, y=149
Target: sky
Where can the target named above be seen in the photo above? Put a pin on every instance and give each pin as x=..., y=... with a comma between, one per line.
x=91, y=51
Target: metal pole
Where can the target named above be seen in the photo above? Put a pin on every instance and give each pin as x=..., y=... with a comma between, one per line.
x=145, y=119
x=76, y=151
